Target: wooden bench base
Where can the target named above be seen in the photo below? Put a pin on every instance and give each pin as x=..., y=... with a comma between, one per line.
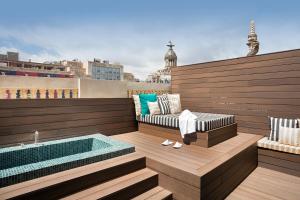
x=203, y=139
x=280, y=161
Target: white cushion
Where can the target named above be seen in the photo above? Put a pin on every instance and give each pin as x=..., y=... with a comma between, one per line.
x=289, y=136
x=137, y=104
x=274, y=145
x=153, y=108
x=174, y=101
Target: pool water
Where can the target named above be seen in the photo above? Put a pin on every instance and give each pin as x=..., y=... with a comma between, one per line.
x=32, y=161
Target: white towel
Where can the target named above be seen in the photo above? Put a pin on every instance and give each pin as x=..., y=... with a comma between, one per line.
x=187, y=123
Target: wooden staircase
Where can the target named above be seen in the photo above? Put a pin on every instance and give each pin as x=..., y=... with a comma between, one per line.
x=124, y=177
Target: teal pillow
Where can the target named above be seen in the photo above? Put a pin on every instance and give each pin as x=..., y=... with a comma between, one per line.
x=144, y=98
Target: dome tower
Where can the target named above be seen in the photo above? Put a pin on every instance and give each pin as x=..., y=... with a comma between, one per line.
x=170, y=57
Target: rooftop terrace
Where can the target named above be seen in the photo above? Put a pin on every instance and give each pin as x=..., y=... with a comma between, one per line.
x=251, y=88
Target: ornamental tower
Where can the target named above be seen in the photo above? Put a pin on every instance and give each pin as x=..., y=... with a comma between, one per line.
x=170, y=57
x=253, y=43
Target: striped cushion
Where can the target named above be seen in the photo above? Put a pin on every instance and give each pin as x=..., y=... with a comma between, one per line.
x=204, y=121
x=274, y=145
x=289, y=136
x=164, y=104
x=275, y=123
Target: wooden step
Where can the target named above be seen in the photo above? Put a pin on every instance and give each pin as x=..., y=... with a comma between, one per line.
x=157, y=193
x=125, y=187
x=70, y=181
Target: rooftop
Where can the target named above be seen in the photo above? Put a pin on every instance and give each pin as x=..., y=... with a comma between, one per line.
x=229, y=155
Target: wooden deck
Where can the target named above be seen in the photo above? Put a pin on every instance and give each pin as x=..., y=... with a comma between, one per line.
x=194, y=172
x=267, y=184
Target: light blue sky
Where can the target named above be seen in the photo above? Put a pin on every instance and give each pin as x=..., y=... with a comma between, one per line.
x=134, y=32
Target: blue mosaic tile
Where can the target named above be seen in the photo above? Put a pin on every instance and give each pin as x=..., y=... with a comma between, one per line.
x=20, y=164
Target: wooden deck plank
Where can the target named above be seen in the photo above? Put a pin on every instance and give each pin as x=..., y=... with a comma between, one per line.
x=264, y=183
x=149, y=193
x=156, y=193
x=189, y=154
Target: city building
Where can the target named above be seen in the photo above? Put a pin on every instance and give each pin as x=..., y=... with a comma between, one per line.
x=11, y=65
x=13, y=56
x=75, y=67
x=105, y=70
x=130, y=77
x=164, y=75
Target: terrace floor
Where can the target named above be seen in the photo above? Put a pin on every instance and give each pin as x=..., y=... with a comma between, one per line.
x=267, y=184
x=194, y=172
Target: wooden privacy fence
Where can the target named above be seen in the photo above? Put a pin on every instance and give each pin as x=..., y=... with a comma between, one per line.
x=252, y=88
x=60, y=118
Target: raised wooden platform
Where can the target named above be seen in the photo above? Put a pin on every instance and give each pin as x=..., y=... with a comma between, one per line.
x=202, y=139
x=194, y=172
x=267, y=184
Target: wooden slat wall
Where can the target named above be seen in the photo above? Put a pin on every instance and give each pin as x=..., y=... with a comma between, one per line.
x=251, y=88
x=60, y=118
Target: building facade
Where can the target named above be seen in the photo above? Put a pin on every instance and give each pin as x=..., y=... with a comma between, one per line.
x=75, y=67
x=11, y=65
x=105, y=71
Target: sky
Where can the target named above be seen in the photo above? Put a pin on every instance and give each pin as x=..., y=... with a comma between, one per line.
x=135, y=32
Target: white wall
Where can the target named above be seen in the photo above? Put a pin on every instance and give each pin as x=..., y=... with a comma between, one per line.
x=87, y=88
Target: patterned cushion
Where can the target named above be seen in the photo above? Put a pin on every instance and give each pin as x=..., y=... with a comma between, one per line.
x=204, y=121
x=154, y=108
x=289, y=136
x=137, y=103
x=268, y=144
x=275, y=123
x=144, y=98
x=163, y=104
x=174, y=101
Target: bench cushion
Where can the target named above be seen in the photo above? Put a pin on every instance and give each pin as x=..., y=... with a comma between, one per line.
x=274, y=145
x=204, y=121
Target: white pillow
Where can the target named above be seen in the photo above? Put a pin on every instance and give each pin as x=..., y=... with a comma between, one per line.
x=289, y=136
x=137, y=103
x=153, y=108
x=174, y=101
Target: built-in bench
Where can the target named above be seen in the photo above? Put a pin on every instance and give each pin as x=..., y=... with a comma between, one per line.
x=211, y=128
x=202, y=139
x=279, y=157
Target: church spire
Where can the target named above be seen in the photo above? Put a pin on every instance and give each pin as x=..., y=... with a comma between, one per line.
x=253, y=43
x=252, y=27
